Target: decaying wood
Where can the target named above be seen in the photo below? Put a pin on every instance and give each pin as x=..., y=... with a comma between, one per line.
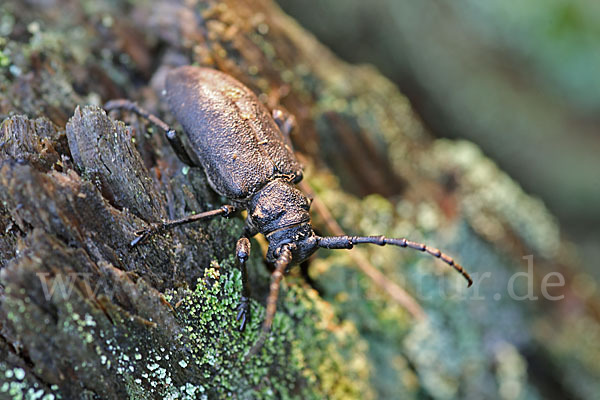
x=157, y=321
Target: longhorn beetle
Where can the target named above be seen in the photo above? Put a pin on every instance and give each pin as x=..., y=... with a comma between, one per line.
x=248, y=160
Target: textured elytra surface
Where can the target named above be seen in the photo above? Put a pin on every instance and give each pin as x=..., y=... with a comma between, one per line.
x=231, y=131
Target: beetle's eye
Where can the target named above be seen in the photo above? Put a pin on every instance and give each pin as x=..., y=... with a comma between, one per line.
x=298, y=177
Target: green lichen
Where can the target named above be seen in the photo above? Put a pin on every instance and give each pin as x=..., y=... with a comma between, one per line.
x=307, y=355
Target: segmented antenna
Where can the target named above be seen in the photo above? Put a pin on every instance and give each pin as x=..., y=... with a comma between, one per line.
x=348, y=242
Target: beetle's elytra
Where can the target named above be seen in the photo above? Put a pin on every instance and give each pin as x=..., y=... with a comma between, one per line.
x=233, y=136
x=248, y=160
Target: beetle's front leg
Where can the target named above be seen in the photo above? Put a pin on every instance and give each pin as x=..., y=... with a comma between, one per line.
x=242, y=252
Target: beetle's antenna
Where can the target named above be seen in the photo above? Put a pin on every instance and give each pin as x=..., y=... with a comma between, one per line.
x=347, y=242
x=396, y=292
x=284, y=259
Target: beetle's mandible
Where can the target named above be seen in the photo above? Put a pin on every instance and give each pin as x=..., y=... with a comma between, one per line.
x=248, y=160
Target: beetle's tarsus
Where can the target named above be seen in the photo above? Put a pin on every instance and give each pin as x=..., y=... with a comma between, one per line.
x=243, y=314
x=142, y=236
x=242, y=251
x=136, y=241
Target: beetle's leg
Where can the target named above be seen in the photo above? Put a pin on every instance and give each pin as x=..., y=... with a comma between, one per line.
x=144, y=234
x=285, y=121
x=242, y=252
x=173, y=137
x=347, y=242
x=283, y=260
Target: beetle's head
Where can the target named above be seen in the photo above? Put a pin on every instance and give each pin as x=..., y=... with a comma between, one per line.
x=280, y=212
x=300, y=238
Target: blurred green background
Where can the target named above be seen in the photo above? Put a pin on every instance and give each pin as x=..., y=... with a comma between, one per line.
x=520, y=79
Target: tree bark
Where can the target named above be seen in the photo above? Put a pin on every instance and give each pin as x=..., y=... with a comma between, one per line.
x=84, y=315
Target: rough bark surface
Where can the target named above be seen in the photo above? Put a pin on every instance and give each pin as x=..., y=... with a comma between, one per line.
x=83, y=315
